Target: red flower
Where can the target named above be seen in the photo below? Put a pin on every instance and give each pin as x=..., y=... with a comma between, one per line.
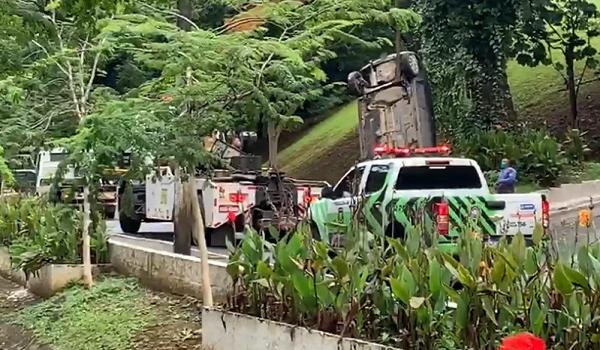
x=523, y=341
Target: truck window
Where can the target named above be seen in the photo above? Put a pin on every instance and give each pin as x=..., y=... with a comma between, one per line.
x=349, y=182
x=58, y=157
x=376, y=178
x=433, y=178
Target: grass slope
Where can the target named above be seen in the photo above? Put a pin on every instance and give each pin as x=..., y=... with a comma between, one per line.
x=320, y=139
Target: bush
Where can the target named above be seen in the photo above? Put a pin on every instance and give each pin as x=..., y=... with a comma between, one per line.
x=538, y=157
x=413, y=296
x=38, y=233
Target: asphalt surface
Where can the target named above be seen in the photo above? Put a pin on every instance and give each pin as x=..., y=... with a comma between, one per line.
x=567, y=235
x=162, y=231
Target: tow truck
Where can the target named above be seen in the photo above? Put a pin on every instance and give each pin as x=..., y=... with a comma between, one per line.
x=240, y=194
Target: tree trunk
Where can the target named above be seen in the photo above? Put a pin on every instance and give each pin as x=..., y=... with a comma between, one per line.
x=509, y=105
x=85, y=256
x=191, y=193
x=273, y=133
x=186, y=10
x=182, y=218
x=571, y=86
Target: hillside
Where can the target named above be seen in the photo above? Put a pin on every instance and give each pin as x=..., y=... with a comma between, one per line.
x=330, y=147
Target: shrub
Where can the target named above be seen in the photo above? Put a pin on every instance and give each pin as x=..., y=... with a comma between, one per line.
x=406, y=294
x=538, y=157
x=38, y=232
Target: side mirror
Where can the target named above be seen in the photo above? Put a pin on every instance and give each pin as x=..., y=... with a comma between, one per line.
x=327, y=192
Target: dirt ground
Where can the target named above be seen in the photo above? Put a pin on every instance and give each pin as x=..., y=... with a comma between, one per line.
x=179, y=325
x=13, y=297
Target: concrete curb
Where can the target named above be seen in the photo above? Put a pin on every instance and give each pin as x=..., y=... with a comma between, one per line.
x=223, y=330
x=169, y=272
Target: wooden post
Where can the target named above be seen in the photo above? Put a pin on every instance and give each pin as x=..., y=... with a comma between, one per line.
x=87, y=262
x=198, y=232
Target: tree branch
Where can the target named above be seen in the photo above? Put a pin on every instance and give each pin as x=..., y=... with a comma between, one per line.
x=178, y=15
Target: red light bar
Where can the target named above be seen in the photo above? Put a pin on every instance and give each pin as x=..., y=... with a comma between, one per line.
x=405, y=152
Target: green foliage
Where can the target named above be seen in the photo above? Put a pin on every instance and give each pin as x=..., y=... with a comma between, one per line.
x=575, y=146
x=537, y=156
x=466, y=48
x=566, y=25
x=411, y=295
x=39, y=233
x=105, y=317
x=6, y=176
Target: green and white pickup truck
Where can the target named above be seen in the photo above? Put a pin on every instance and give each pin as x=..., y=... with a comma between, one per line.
x=452, y=191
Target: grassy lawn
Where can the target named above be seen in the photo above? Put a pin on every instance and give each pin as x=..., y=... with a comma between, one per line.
x=320, y=138
x=117, y=313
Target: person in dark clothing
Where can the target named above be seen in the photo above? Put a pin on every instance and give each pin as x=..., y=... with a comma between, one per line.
x=507, y=178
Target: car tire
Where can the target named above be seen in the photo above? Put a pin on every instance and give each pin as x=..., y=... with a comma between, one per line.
x=409, y=65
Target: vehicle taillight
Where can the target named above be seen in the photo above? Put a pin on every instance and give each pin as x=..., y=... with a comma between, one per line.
x=238, y=197
x=231, y=216
x=443, y=218
x=309, y=197
x=545, y=213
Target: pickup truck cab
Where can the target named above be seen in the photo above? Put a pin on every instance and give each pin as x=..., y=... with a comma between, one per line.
x=452, y=192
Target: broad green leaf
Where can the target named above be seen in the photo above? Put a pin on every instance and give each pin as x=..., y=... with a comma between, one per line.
x=561, y=281
x=435, y=277
x=459, y=272
x=576, y=278
x=263, y=269
x=488, y=307
x=400, y=291
x=536, y=318
x=498, y=271
x=538, y=234
x=519, y=249
x=340, y=266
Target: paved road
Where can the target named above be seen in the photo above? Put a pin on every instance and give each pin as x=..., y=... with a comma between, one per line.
x=162, y=231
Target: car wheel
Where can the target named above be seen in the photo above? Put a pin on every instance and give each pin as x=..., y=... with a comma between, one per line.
x=409, y=65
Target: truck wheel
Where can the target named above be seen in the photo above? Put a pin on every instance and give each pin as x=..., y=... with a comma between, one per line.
x=129, y=225
x=409, y=65
x=219, y=236
x=110, y=213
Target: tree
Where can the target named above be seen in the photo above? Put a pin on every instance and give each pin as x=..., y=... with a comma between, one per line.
x=566, y=28
x=308, y=30
x=466, y=45
x=6, y=176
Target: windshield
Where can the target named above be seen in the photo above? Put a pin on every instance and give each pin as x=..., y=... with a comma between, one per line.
x=438, y=178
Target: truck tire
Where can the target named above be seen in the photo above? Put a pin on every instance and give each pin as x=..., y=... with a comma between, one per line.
x=128, y=224
x=218, y=237
x=409, y=65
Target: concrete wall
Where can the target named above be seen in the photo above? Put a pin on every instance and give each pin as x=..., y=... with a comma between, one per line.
x=223, y=330
x=166, y=271
x=49, y=280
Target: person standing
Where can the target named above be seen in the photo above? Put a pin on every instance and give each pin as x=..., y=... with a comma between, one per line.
x=507, y=178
